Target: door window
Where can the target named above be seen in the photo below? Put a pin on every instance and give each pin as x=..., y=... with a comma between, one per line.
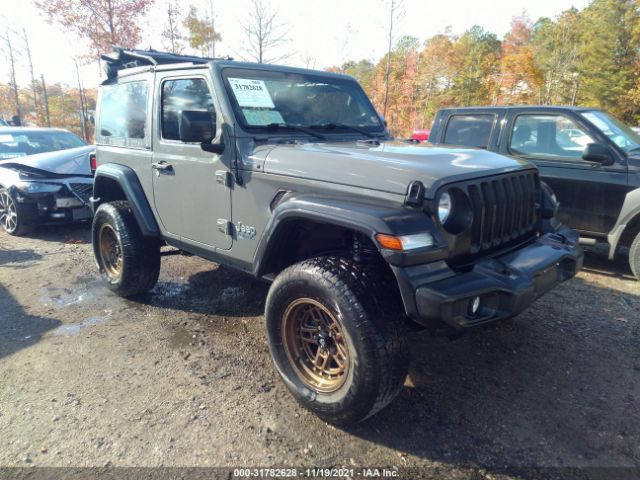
x=469, y=130
x=123, y=113
x=553, y=137
x=185, y=94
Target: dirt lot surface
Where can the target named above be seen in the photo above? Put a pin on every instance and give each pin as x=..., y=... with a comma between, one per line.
x=183, y=377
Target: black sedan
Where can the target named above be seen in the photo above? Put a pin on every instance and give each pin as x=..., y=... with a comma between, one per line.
x=45, y=176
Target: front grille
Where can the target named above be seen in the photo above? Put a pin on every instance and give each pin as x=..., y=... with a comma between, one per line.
x=504, y=209
x=82, y=190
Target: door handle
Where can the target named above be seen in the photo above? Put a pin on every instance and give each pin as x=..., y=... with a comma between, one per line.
x=163, y=166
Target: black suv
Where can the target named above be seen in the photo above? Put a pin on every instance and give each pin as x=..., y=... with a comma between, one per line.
x=589, y=159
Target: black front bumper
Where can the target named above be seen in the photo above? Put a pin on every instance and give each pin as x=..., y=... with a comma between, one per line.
x=506, y=285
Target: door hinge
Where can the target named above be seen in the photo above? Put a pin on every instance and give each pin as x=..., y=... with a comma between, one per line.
x=224, y=226
x=223, y=178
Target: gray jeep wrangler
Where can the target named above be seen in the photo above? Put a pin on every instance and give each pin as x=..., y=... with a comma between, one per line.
x=290, y=175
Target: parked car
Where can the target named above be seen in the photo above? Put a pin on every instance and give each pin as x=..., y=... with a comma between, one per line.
x=590, y=160
x=290, y=175
x=421, y=135
x=45, y=176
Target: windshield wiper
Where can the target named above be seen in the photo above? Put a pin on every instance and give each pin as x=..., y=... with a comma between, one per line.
x=333, y=126
x=278, y=126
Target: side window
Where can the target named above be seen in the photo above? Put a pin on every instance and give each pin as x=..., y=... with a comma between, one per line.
x=186, y=95
x=469, y=130
x=549, y=137
x=123, y=111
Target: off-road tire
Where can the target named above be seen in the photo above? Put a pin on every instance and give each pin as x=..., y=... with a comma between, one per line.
x=140, y=255
x=634, y=256
x=371, y=317
x=26, y=215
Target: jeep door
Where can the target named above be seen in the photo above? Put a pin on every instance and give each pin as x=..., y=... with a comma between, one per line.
x=189, y=197
x=590, y=194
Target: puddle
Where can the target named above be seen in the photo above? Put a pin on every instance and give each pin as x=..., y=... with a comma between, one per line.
x=74, y=328
x=67, y=297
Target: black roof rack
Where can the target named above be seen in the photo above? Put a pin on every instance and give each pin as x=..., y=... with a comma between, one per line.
x=122, y=59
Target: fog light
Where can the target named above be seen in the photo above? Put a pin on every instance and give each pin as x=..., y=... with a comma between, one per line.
x=474, y=306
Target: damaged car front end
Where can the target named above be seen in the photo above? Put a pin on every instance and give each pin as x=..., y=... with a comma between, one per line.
x=45, y=188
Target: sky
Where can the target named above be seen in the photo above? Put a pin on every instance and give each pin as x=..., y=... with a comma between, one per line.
x=322, y=33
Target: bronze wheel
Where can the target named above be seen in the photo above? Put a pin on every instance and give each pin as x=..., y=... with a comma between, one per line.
x=110, y=251
x=314, y=341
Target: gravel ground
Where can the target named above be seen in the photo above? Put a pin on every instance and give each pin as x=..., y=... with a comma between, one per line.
x=183, y=377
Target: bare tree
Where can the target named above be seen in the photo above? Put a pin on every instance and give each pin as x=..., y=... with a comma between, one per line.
x=395, y=8
x=34, y=83
x=11, y=57
x=171, y=34
x=265, y=36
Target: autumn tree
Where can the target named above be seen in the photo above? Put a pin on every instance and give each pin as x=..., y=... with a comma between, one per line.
x=202, y=34
x=172, y=38
x=10, y=54
x=435, y=77
x=102, y=23
x=265, y=36
x=557, y=55
x=475, y=62
x=519, y=79
x=610, y=56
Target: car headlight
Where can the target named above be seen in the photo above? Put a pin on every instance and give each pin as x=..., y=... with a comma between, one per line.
x=445, y=206
x=37, y=187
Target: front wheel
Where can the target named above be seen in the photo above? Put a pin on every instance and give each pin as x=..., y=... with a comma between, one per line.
x=128, y=261
x=16, y=219
x=338, y=346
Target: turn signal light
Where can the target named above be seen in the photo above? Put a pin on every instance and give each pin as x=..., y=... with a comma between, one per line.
x=390, y=242
x=403, y=243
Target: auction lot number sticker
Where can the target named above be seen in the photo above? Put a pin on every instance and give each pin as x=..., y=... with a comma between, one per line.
x=251, y=93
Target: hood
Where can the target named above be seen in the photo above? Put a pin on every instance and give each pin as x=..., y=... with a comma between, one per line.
x=73, y=161
x=387, y=167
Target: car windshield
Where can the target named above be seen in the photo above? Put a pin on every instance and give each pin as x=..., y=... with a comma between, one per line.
x=20, y=144
x=263, y=99
x=620, y=134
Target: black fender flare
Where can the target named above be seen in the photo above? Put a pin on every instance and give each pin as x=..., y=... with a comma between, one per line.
x=127, y=179
x=360, y=216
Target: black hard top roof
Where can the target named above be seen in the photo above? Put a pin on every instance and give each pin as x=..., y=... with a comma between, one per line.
x=123, y=59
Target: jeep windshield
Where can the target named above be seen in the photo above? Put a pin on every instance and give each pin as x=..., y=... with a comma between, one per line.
x=618, y=132
x=262, y=99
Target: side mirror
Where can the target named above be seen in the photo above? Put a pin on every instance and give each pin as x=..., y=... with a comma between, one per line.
x=597, y=153
x=196, y=126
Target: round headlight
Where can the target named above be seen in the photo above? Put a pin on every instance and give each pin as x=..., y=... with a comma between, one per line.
x=445, y=205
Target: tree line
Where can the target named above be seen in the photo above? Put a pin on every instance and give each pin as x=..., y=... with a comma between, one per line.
x=588, y=57
x=582, y=57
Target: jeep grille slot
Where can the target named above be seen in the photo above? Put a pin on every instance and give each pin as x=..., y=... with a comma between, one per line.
x=504, y=210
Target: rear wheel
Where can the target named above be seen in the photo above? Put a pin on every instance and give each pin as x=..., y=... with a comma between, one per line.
x=129, y=262
x=634, y=256
x=336, y=343
x=15, y=218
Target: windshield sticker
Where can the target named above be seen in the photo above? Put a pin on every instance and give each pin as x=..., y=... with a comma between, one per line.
x=6, y=138
x=262, y=117
x=251, y=93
